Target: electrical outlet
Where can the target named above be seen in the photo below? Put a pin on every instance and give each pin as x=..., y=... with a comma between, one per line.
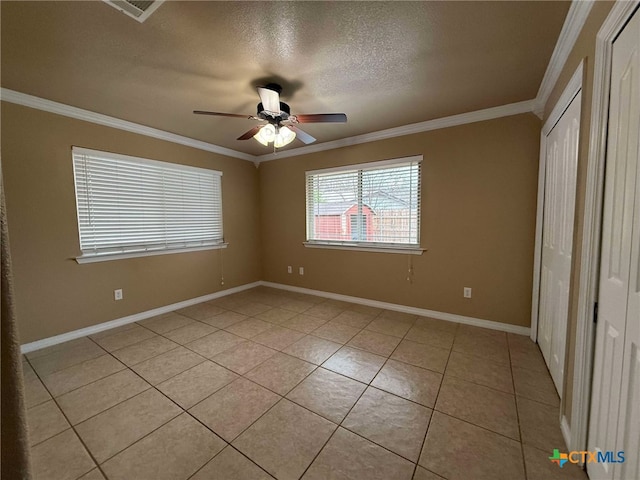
x=301, y=270
x=467, y=292
x=289, y=269
x=117, y=294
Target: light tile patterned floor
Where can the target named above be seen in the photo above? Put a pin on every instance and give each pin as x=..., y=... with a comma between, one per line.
x=273, y=384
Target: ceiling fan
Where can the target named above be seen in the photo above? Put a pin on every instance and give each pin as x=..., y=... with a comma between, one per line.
x=279, y=125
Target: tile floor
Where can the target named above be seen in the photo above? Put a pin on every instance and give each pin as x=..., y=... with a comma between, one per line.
x=272, y=384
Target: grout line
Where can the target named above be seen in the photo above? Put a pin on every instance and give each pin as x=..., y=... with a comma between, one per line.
x=451, y=375
x=368, y=385
x=478, y=426
x=281, y=397
x=319, y=414
x=248, y=426
x=328, y=439
x=172, y=376
x=234, y=448
x=435, y=402
x=33, y=445
x=413, y=401
x=372, y=380
x=71, y=426
x=256, y=420
x=183, y=411
x=538, y=402
x=139, y=439
x=69, y=366
x=88, y=383
x=515, y=399
x=127, y=367
x=177, y=345
x=403, y=338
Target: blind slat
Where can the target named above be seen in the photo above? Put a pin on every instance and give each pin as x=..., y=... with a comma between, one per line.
x=127, y=204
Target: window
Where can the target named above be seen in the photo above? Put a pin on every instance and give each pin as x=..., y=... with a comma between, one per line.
x=130, y=206
x=374, y=205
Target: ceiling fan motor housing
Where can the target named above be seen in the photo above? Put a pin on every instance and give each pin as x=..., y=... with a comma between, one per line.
x=285, y=111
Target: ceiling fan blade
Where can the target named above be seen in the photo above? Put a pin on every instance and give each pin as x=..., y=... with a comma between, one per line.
x=321, y=118
x=303, y=136
x=250, y=133
x=220, y=114
x=270, y=99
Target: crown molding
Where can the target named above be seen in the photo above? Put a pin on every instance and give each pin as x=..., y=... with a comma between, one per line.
x=436, y=124
x=573, y=23
x=38, y=103
x=78, y=113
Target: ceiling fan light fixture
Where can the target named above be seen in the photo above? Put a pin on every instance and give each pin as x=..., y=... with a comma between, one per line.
x=284, y=137
x=266, y=135
x=280, y=137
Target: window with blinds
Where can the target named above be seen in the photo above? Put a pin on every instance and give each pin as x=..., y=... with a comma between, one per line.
x=367, y=205
x=128, y=205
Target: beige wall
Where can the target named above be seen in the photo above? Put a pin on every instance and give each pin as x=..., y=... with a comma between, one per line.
x=478, y=220
x=584, y=49
x=478, y=217
x=54, y=293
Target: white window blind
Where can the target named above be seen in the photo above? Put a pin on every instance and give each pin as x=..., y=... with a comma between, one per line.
x=368, y=205
x=128, y=204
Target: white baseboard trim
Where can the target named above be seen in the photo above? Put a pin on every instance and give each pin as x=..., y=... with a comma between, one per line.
x=449, y=317
x=83, y=332
x=566, y=432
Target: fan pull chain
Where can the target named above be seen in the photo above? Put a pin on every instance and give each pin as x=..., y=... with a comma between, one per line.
x=409, y=270
x=221, y=266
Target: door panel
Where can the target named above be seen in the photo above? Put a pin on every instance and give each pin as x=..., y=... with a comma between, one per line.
x=629, y=434
x=557, y=238
x=545, y=318
x=629, y=422
x=604, y=406
x=615, y=409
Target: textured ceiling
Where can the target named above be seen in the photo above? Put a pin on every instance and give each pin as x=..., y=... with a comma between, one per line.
x=384, y=64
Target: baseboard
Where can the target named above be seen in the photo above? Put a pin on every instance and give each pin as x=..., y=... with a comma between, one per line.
x=566, y=432
x=83, y=332
x=449, y=317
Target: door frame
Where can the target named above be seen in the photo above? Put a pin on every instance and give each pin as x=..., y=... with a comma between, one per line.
x=571, y=90
x=615, y=22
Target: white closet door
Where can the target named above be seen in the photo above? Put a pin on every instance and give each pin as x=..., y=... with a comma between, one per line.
x=614, y=423
x=561, y=164
x=629, y=421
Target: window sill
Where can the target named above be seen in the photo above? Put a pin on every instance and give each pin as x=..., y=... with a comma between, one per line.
x=362, y=248
x=105, y=257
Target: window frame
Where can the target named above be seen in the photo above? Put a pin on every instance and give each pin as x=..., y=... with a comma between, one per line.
x=144, y=251
x=380, y=247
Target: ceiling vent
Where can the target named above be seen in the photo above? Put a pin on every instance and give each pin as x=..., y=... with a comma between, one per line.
x=140, y=10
